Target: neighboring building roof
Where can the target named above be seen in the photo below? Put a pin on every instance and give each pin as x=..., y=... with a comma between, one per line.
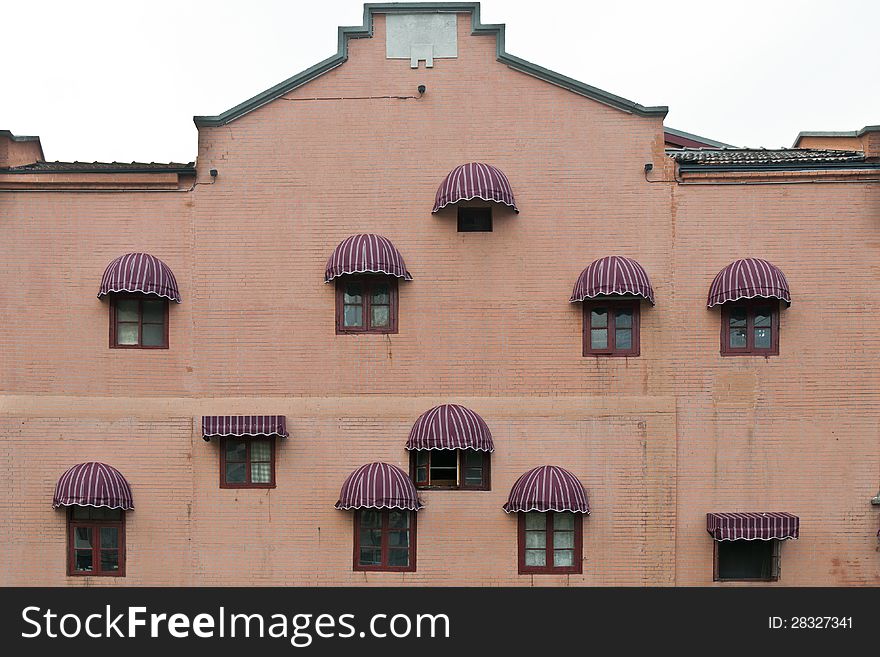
x=103, y=167
x=7, y=133
x=477, y=28
x=763, y=158
x=845, y=133
x=684, y=139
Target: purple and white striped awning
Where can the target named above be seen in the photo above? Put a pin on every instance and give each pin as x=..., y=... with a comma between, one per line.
x=93, y=484
x=139, y=272
x=450, y=426
x=243, y=426
x=613, y=275
x=474, y=180
x=748, y=278
x=752, y=526
x=378, y=486
x=366, y=253
x=548, y=488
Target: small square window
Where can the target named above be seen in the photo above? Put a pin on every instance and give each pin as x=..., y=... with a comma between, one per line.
x=611, y=328
x=366, y=304
x=96, y=541
x=474, y=220
x=138, y=322
x=452, y=469
x=247, y=462
x=750, y=328
x=385, y=540
x=550, y=542
x=743, y=560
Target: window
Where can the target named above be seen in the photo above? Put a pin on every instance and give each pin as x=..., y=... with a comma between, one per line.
x=474, y=220
x=96, y=541
x=611, y=328
x=247, y=462
x=450, y=468
x=385, y=539
x=366, y=304
x=743, y=560
x=750, y=328
x=550, y=542
x=138, y=322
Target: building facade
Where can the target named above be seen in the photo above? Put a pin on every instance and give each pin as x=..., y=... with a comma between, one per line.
x=429, y=314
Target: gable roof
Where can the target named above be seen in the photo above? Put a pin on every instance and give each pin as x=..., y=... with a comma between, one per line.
x=478, y=29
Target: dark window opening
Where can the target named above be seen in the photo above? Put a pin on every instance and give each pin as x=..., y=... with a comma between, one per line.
x=247, y=462
x=385, y=539
x=138, y=322
x=474, y=220
x=366, y=304
x=450, y=469
x=96, y=541
x=741, y=560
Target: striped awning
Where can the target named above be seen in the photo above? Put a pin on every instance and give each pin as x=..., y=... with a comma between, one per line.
x=752, y=526
x=243, y=426
x=378, y=486
x=548, y=488
x=93, y=484
x=366, y=253
x=450, y=426
x=139, y=272
x=474, y=180
x=613, y=275
x=748, y=278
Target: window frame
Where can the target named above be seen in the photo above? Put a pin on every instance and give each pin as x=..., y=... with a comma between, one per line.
x=248, y=440
x=775, y=551
x=95, y=526
x=750, y=349
x=613, y=304
x=546, y=569
x=368, y=280
x=114, y=299
x=481, y=210
x=384, y=567
x=486, y=466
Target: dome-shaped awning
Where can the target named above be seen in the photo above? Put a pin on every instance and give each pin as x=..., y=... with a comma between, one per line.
x=547, y=488
x=139, y=272
x=450, y=426
x=748, y=278
x=366, y=253
x=613, y=275
x=93, y=484
x=378, y=486
x=474, y=180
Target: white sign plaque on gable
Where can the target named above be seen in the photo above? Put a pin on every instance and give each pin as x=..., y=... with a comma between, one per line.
x=420, y=37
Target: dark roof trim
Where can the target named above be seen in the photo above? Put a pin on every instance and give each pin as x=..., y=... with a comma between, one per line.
x=794, y=166
x=7, y=133
x=99, y=167
x=846, y=133
x=366, y=31
x=696, y=138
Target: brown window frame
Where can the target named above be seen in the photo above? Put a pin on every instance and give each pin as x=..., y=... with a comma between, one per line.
x=95, y=526
x=750, y=350
x=113, y=321
x=367, y=280
x=612, y=304
x=460, y=479
x=477, y=213
x=384, y=567
x=775, y=550
x=576, y=569
x=248, y=440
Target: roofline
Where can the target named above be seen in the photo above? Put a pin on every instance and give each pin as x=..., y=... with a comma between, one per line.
x=687, y=167
x=7, y=133
x=22, y=170
x=693, y=137
x=477, y=28
x=846, y=133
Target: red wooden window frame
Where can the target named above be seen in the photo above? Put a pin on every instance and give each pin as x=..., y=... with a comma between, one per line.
x=95, y=526
x=774, y=563
x=384, y=567
x=460, y=478
x=612, y=305
x=368, y=281
x=248, y=441
x=751, y=306
x=113, y=321
x=548, y=569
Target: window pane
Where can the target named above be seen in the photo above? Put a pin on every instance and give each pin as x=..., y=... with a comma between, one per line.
x=737, y=337
x=371, y=538
x=398, y=557
x=380, y=316
x=422, y=457
x=624, y=339
x=109, y=560
x=82, y=537
x=536, y=539
x=738, y=316
x=82, y=560
x=742, y=559
x=398, y=519
x=127, y=310
x=353, y=316
x=370, y=518
x=563, y=539
x=153, y=335
x=563, y=521
x=599, y=339
x=353, y=292
x=762, y=338
x=472, y=459
x=235, y=450
x=370, y=557
x=598, y=317
x=126, y=334
x=260, y=450
x=421, y=475
x=103, y=513
x=380, y=294
x=536, y=520
x=261, y=473
x=81, y=512
x=399, y=538
x=109, y=537
x=562, y=558
x=154, y=311
x=473, y=476
x=623, y=318
x=235, y=473
x=762, y=316
x=536, y=558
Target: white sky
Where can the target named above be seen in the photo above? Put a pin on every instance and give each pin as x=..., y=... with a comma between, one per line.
x=122, y=80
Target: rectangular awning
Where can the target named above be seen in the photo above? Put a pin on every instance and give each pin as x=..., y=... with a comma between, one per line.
x=760, y=526
x=243, y=426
